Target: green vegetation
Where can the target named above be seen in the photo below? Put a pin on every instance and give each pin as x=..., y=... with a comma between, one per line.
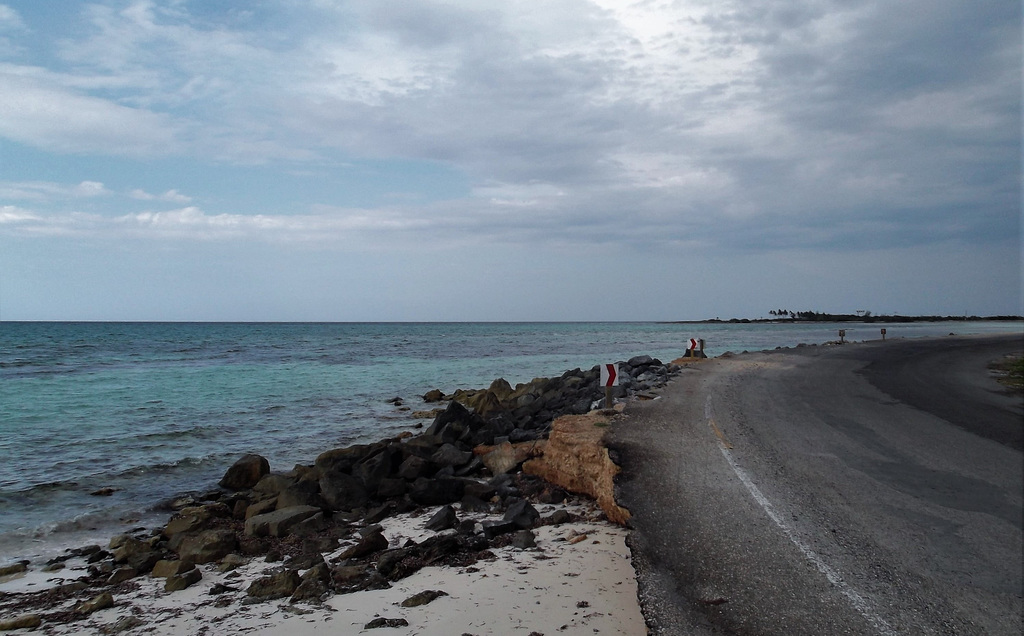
x=1010, y=372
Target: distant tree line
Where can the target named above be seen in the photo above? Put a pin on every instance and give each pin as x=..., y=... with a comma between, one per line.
x=867, y=316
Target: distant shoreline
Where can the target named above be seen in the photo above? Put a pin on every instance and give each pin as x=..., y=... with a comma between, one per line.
x=828, y=318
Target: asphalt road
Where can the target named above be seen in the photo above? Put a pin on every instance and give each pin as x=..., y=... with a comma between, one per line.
x=870, y=488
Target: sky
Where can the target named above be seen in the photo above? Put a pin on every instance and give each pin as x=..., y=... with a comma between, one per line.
x=415, y=160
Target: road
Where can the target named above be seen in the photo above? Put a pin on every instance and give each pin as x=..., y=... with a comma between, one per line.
x=869, y=488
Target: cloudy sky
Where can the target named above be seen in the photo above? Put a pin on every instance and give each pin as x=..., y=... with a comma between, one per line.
x=483, y=160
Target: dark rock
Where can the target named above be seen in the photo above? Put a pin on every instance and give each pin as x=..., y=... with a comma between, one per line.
x=522, y=513
x=377, y=467
x=380, y=513
x=321, y=571
x=245, y=473
x=95, y=604
x=640, y=361
x=391, y=488
x=496, y=527
x=273, y=484
x=479, y=490
x=374, y=542
x=195, y=518
x=207, y=546
x=137, y=554
x=25, y=621
x=415, y=467
x=557, y=518
x=443, y=519
x=423, y=598
x=120, y=575
x=311, y=526
x=279, y=522
x=261, y=508
x=524, y=539
x=450, y=455
x=181, y=581
x=166, y=568
x=342, y=491
x=422, y=445
x=340, y=459
x=123, y=624
x=345, y=575
x=434, y=395
x=436, y=492
x=474, y=504
x=386, y=622
x=277, y=585
x=300, y=494
x=310, y=591
x=454, y=423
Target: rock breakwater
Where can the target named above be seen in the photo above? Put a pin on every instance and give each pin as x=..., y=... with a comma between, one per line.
x=320, y=522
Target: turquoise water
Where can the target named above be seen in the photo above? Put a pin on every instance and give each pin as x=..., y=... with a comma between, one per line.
x=155, y=409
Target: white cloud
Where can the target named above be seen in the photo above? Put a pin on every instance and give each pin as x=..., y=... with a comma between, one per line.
x=38, y=111
x=10, y=19
x=49, y=191
x=170, y=196
x=10, y=214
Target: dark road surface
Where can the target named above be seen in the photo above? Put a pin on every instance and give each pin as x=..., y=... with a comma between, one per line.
x=871, y=488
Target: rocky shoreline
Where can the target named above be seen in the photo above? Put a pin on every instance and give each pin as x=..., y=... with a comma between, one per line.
x=481, y=468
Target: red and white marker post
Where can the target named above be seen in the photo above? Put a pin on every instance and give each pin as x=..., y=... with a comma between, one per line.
x=609, y=378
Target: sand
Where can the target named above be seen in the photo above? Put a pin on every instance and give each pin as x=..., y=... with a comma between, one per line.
x=578, y=580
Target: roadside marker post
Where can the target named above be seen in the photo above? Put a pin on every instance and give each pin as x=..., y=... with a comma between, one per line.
x=695, y=345
x=609, y=378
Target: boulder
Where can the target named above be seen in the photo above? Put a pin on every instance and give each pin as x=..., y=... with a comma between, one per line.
x=15, y=568
x=523, y=514
x=310, y=526
x=273, y=484
x=367, y=545
x=450, y=455
x=120, y=575
x=260, y=508
x=391, y=488
x=195, y=518
x=277, y=585
x=310, y=590
x=524, y=539
x=427, y=596
x=245, y=473
x=207, y=546
x=495, y=527
x=342, y=491
x=340, y=459
x=166, y=568
x=25, y=621
x=444, y=519
x=181, y=581
x=434, y=395
x=95, y=604
x=414, y=467
x=300, y=494
x=377, y=467
x=137, y=554
x=436, y=492
x=279, y=522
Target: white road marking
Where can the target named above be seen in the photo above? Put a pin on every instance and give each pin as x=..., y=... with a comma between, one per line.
x=858, y=601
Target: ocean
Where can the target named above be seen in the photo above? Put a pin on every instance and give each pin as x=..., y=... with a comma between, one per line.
x=151, y=410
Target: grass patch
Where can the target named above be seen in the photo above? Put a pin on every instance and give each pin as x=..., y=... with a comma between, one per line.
x=1010, y=372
